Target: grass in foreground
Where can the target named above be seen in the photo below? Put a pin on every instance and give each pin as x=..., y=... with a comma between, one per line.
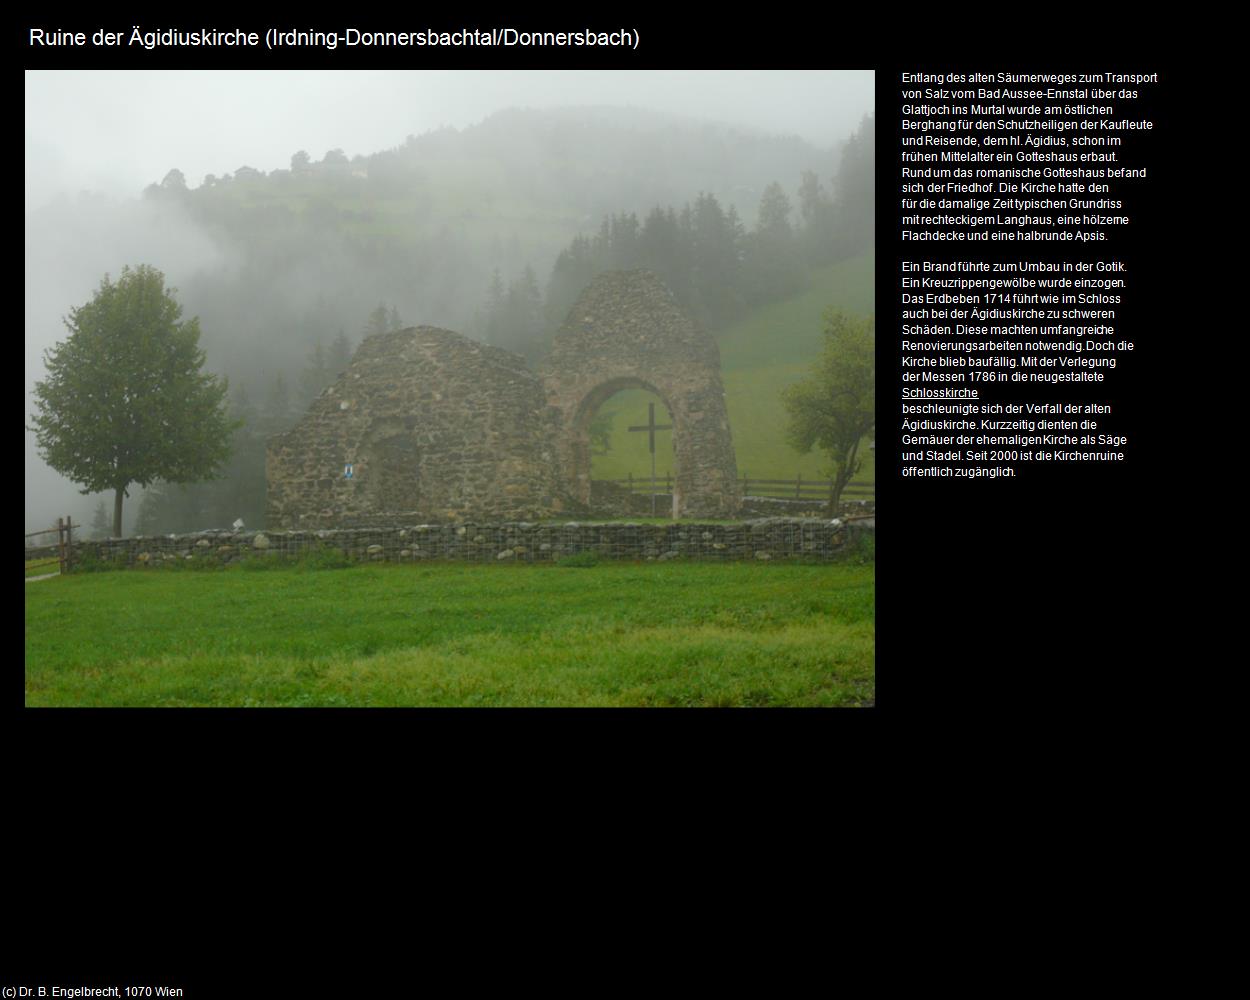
x=613, y=634
x=38, y=567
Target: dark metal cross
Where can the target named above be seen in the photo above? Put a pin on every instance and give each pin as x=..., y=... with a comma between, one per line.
x=651, y=427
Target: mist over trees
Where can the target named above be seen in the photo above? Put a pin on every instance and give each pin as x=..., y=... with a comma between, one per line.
x=714, y=265
x=491, y=230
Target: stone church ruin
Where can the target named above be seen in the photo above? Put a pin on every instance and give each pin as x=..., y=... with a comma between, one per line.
x=428, y=426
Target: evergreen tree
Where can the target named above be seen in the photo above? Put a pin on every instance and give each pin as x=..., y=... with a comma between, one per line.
x=529, y=308
x=155, y=513
x=378, y=321
x=315, y=376
x=855, y=192
x=663, y=249
x=572, y=272
x=601, y=248
x=774, y=216
x=816, y=212
x=241, y=492
x=517, y=317
x=100, y=520
x=774, y=265
x=340, y=355
x=811, y=198
x=277, y=412
x=496, y=307
x=716, y=255
x=624, y=241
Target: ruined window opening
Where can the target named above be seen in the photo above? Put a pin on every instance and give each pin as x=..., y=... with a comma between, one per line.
x=397, y=473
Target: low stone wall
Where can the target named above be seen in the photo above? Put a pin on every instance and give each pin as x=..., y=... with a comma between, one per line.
x=763, y=539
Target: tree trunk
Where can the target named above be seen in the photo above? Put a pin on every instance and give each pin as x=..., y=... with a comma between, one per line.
x=117, y=511
x=840, y=477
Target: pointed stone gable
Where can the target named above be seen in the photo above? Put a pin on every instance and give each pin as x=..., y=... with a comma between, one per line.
x=424, y=425
x=626, y=332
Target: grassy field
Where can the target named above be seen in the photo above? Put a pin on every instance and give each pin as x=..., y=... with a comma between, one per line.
x=727, y=634
x=38, y=567
x=769, y=350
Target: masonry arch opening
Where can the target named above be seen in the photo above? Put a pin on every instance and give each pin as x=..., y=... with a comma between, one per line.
x=627, y=447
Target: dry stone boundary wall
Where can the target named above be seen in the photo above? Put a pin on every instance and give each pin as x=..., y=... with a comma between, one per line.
x=762, y=540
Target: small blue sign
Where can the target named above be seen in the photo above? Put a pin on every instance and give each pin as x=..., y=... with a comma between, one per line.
x=347, y=471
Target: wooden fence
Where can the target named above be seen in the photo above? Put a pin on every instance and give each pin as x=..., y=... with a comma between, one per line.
x=61, y=549
x=786, y=489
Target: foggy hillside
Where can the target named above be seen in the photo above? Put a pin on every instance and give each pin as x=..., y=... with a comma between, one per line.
x=273, y=262
x=599, y=160
x=424, y=225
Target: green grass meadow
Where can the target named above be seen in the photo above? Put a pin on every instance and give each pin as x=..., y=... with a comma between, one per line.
x=767, y=351
x=612, y=634
x=43, y=566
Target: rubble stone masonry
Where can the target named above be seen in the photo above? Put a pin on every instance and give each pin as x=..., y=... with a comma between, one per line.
x=426, y=425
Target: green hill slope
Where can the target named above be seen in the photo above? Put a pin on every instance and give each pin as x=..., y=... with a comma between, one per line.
x=768, y=350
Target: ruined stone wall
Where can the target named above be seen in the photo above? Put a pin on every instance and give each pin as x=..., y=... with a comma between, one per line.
x=627, y=331
x=762, y=540
x=438, y=427
x=435, y=427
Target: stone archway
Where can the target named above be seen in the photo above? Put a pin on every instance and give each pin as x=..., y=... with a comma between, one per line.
x=627, y=331
x=579, y=431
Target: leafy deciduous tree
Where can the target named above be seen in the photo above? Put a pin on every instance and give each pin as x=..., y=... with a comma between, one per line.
x=835, y=407
x=125, y=400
